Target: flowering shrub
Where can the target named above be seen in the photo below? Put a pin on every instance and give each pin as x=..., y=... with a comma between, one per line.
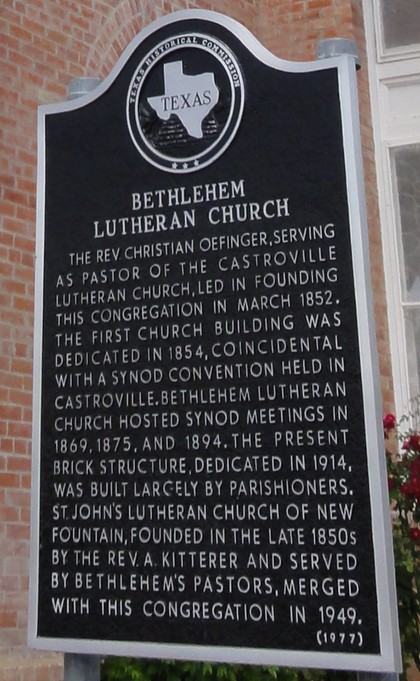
x=404, y=490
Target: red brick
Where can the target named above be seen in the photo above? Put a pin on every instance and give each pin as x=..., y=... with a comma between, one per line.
x=22, y=303
x=19, y=429
x=15, y=531
x=10, y=480
x=11, y=413
x=18, y=464
x=7, y=447
x=8, y=619
x=10, y=515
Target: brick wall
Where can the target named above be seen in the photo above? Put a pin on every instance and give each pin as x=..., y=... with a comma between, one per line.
x=44, y=44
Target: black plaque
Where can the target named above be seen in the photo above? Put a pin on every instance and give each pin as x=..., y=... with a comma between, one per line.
x=206, y=420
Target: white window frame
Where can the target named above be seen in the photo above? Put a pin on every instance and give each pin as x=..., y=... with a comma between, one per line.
x=385, y=54
x=394, y=78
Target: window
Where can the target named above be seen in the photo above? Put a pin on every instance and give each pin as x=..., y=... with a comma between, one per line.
x=400, y=21
x=393, y=49
x=406, y=166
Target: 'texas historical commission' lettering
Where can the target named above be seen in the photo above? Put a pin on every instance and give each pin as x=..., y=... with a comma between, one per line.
x=204, y=106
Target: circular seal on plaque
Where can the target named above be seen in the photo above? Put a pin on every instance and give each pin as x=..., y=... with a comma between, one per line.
x=185, y=102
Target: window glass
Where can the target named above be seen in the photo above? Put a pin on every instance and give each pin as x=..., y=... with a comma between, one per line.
x=407, y=170
x=412, y=332
x=401, y=22
x=407, y=174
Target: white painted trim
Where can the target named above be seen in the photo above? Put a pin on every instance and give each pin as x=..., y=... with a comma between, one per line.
x=388, y=134
x=398, y=69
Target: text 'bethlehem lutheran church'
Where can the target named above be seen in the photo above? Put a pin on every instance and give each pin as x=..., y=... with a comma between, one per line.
x=156, y=354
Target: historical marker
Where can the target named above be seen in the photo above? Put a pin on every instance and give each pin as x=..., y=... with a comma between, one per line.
x=209, y=479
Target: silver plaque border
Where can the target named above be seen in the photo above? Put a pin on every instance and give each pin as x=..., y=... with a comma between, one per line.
x=389, y=658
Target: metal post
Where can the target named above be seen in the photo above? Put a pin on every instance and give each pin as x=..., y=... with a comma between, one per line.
x=81, y=667
x=81, y=86
x=331, y=47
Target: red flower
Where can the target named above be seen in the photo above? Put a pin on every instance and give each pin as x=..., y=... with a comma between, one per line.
x=415, y=468
x=407, y=489
x=413, y=443
x=389, y=422
x=415, y=534
x=390, y=484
